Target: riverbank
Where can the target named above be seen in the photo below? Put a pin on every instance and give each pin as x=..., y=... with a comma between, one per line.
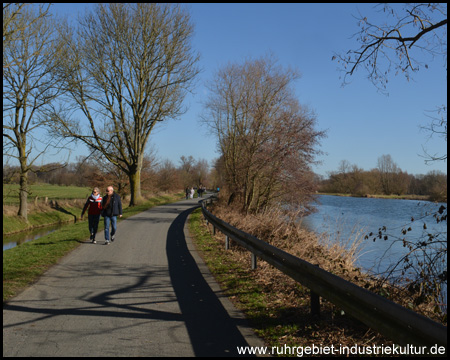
x=277, y=307
x=39, y=216
x=374, y=196
x=403, y=243
x=22, y=265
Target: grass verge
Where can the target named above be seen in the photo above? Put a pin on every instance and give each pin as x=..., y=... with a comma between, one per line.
x=23, y=264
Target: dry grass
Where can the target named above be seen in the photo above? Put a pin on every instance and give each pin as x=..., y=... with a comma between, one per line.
x=287, y=318
x=284, y=231
x=287, y=302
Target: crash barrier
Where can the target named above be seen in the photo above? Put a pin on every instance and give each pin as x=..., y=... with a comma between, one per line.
x=401, y=325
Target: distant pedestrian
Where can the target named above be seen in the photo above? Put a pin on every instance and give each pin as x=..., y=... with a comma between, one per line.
x=94, y=203
x=192, y=193
x=188, y=192
x=111, y=208
x=200, y=190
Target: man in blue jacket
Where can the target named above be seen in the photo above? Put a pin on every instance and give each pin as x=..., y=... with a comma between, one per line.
x=112, y=207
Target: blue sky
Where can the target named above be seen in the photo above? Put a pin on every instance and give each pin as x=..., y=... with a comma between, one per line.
x=362, y=124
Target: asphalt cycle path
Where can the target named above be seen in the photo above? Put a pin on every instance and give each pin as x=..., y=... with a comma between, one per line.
x=147, y=294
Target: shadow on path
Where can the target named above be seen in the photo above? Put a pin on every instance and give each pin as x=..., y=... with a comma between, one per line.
x=211, y=330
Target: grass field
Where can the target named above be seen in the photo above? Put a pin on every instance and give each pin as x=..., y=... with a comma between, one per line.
x=43, y=214
x=53, y=192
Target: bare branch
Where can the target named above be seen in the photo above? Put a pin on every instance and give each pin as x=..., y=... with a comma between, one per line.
x=129, y=67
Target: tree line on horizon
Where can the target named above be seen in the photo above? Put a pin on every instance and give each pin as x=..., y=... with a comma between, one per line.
x=157, y=175
x=385, y=179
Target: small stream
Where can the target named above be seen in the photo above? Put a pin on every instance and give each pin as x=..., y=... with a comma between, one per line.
x=10, y=241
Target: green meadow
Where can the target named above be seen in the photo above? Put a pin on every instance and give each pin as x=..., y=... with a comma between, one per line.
x=52, y=192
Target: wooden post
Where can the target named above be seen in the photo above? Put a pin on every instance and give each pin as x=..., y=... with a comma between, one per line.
x=227, y=242
x=254, y=262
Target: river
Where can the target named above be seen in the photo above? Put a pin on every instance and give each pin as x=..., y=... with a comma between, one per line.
x=343, y=217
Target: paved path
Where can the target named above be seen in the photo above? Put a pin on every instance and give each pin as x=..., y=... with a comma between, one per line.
x=146, y=294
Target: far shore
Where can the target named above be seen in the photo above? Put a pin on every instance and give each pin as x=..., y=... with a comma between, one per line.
x=398, y=197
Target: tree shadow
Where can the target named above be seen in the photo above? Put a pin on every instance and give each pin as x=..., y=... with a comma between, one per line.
x=56, y=206
x=211, y=329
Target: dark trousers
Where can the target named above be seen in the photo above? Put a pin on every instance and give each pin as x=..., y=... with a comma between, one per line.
x=93, y=223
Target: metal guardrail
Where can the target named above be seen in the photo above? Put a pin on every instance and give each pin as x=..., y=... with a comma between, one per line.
x=401, y=325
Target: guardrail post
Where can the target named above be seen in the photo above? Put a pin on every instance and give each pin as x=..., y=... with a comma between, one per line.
x=214, y=230
x=227, y=242
x=315, y=302
x=254, y=264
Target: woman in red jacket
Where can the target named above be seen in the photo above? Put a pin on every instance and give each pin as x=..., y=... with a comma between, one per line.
x=94, y=202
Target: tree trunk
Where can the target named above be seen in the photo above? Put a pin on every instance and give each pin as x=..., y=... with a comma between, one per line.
x=135, y=187
x=23, y=196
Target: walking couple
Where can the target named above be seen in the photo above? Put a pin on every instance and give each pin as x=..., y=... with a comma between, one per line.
x=109, y=206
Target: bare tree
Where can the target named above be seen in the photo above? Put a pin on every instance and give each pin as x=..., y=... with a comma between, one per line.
x=167, y=176
x=387, y=168
x=186, y=170
x=29, y=87
x=266, y=139
x=13, y=24
x=412, y=37
x=415, y=29
x=130, y=67
x=437, y=127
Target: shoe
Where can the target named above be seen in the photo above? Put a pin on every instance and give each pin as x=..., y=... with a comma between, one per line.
x=107, y=242
x=93, y=241
x=112, y=237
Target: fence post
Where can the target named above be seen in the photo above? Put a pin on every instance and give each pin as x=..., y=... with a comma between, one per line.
x=254, y=262
x=227, y=242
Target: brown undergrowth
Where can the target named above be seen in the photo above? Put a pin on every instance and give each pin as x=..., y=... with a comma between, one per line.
x=285, y=317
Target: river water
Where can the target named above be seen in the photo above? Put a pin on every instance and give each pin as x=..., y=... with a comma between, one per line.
x=343, y=217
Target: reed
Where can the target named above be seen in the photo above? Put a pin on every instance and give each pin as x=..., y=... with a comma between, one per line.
x=276, y=305
x=336, y=254
x=283, y=229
